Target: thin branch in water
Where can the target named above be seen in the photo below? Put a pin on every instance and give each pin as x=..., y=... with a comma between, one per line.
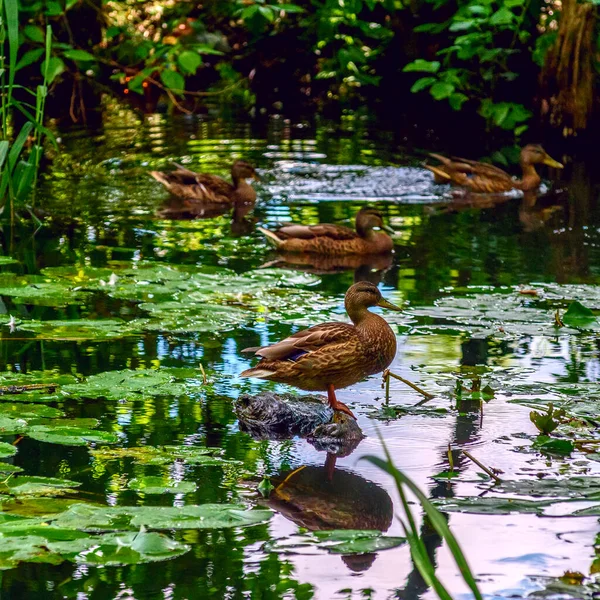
x=387, y=374
x=482, y=466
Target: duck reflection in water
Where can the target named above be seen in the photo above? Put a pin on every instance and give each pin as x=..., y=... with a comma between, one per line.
x=326, y=497
x=180, y=209
x=535, y=210
x=370, y=267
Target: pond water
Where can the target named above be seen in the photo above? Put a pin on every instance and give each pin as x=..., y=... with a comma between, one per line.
x=110, y=284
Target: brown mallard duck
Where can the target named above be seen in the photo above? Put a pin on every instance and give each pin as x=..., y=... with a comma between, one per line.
x=332, y=355
x=488, y=179
x=335, y=240
x=204, y=187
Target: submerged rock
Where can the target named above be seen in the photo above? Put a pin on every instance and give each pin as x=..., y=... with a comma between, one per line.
x=281, y=416
x=339, y=437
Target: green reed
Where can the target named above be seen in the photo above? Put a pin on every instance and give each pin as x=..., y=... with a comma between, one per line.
x=418, y=550
x=20, y=153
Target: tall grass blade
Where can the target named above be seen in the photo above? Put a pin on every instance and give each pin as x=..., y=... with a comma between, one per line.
x=11, y=8
x=18, y=144
x=4, y=145
x=418, y=550
x=437, y=520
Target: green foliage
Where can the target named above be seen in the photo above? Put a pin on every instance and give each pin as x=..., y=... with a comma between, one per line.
x=19, y=160
x=547, y=422
x=485, y=46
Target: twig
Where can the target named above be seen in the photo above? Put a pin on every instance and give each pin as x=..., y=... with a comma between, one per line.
x=450, y=458
x=387, y=374
x=483, y=467
x=204, y=379
x=386, y=384
x=20, y=389
x=586, y=441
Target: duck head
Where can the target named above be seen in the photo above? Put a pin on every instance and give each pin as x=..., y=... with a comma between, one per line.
x=534, y=154
x=242, y=170
x=368, y=219
x=363, y=295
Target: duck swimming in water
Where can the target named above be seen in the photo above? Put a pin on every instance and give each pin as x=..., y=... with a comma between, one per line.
x=210, y=189
x=484, y=178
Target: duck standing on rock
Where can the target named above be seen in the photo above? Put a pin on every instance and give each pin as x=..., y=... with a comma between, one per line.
x=210, y=189
x=484, y=178
x=335, y=240
x=333, y=355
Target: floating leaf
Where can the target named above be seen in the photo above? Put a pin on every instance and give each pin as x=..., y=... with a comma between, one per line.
x=69, y=436
x=24, y=485
x=161, y=485
x=79, y=329
x=549, y=445
x=130, y=384
x=164, y=455
x=336, y=541
x=491, y=506
x=43, y=294
x=7, y=450
x=204, y=516
x=580, y=316
x=52, y=545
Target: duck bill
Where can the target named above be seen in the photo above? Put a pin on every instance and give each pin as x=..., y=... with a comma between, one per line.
x=388, y=229
x=256, y=176
x=385, y=304
x=548, y=160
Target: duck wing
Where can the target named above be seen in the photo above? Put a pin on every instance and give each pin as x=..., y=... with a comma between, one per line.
x=195, y=186
x=308, y=232
x=305, y=341
x=472, y=167
x=475, y=175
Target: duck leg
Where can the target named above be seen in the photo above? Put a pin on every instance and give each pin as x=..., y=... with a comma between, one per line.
x=335, y=404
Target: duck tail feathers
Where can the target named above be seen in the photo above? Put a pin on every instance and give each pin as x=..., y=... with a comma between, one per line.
x=271, y=237
x=439, y=172
x=258, y=373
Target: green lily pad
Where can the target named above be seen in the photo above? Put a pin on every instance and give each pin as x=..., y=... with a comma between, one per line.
x=488, y=505
x=580, y=316
x=190, y=317
x=336, y=541
x=7, y=260
x=130, y=384
x=79, y=329
x=53, y=546
x=164, y=455
x=42, y=293
x=24, y=485
x=120, y=518
x=549, y=445
x=29, y=411
x=8, y=425
x=161, y=485
x=19, y=381
x=10, y=468
x=7, y=450
x=69, y=436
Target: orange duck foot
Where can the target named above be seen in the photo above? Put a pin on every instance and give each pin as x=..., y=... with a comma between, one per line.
x=335, y=404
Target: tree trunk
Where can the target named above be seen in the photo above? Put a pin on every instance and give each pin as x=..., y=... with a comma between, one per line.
x=567, y=78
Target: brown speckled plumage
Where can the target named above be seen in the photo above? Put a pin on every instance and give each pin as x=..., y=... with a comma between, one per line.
x=210, y=189
x=332, y=355
x=334, y=240
x=485, y=178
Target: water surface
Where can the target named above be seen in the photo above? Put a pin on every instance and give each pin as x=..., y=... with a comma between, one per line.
x=106, y=214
